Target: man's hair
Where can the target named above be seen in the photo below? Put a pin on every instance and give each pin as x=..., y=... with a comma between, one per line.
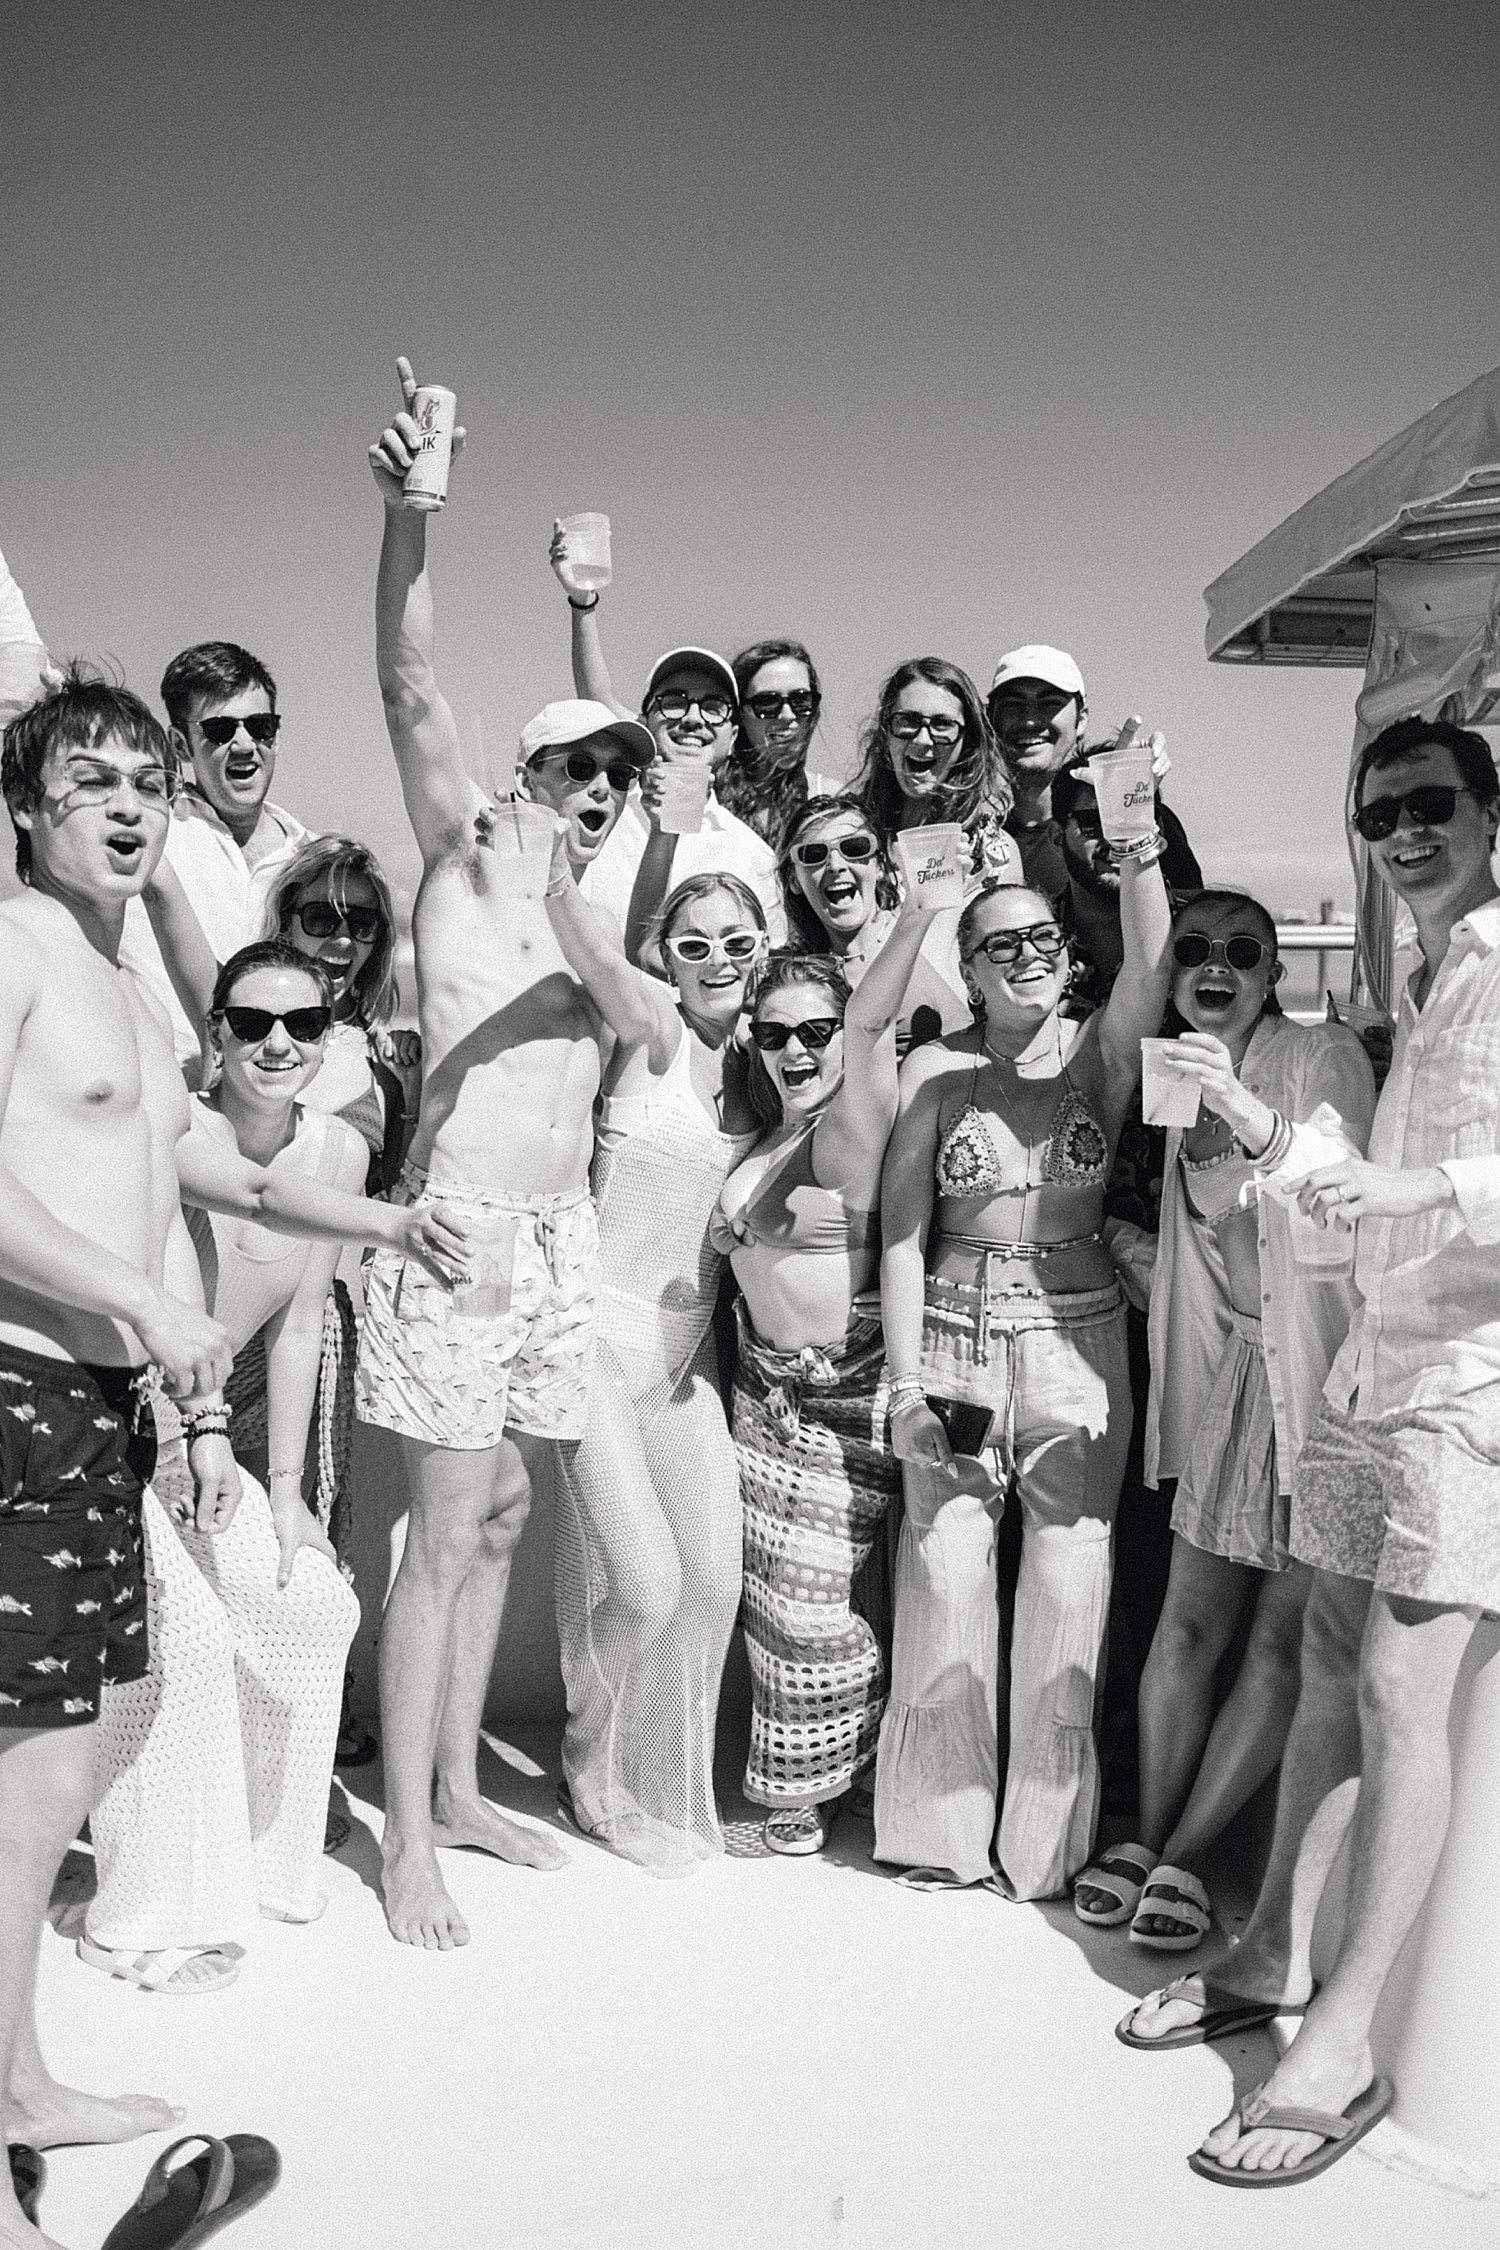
x=211, y=673
x=1471, y=754
x=86, y=708
x=267, y=953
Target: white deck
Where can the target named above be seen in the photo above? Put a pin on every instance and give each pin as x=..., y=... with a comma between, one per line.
x=770, y=2053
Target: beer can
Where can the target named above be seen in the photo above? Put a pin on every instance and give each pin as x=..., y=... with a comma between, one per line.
x=434, y=411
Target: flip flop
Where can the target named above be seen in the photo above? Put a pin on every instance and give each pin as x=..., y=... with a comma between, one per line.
x=153, y=1970
x=28, y=2176
x=176, y=2210
x=1100, y=1875
x=1224, y=2013
x=1339, y=2134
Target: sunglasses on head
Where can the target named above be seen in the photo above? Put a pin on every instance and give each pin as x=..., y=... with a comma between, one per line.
x=1002, y=948
x=1431, y=806
x=814, y=1033
x=852, y=850
x=1194, y=950
x=261, y=726
x=674, y=706
x=801, y=702
x=907, y=725
x=735, y=945
x=580, y=766
x=305, y=1026
x=320, y=918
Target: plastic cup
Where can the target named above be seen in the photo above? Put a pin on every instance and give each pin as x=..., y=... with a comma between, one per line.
x=588, y=550
x=524, y=831
x=931, y=861
x=434, y=410
x=684, y=795
x=1167, y=1098
x=1126, y=789
x=492, y=1256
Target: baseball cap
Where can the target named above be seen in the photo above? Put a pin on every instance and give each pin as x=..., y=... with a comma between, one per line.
x=558, y=725
x=691, y=659
x=1038, y=662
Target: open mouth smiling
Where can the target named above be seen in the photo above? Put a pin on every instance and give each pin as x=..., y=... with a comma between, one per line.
x=795, y=1075
x=1214, y=999
x=1412, y=856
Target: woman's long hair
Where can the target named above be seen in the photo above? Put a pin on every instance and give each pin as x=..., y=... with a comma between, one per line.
x=765, y=801
x=977, y=776
x=376, y=995
x=802, y=921
x=781, y=970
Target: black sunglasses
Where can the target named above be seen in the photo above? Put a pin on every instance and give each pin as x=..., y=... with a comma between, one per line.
x=305, y=1026
x=852, y=850
x=1194, y=950
x=319, y=918
x=674, y=706
x=1431, y=806
x=581, y=766
x=1002, y=948
x=261, y=726
x=907, y=725
x=814, y=1034
x=801, y=702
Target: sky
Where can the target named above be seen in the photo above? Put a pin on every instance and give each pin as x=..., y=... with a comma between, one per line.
x=900, y=330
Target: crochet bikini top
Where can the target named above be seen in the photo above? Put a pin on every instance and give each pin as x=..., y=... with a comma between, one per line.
x=1075, y=1153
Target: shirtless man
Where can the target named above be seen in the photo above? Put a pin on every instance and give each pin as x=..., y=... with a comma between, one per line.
x=511, y=1051
x=94, y=1155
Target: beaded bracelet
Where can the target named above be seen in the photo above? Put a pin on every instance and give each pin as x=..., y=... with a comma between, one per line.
x=223, y=1414
x=906, y=1391
x=583, y=607
x=206, y=1426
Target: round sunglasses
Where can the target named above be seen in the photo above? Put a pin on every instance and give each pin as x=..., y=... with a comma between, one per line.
x=1002, y=948
x=735, y=945
x=674, y=706
x=814, y=1033
x=1431, y=806
x=1194, y=950
x=582, y=765
x=320, y=918
x=304, y=1026
x=261, y=726
x=852, y=850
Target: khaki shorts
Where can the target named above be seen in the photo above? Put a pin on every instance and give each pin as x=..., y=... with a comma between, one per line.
x=432, y=1368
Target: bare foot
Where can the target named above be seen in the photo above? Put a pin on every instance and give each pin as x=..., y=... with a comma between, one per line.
x=18, y=2233
x=1308, y=2076
x=53, y=2116
x=1182, y=2004
x=474, y=1824
x=417, y=1907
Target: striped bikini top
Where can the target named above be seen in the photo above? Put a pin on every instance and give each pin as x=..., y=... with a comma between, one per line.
x=969, y=1161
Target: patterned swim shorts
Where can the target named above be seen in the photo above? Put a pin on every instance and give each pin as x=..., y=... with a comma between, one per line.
x=72, y=1564
x=1408, y=1501
x=457, y=1372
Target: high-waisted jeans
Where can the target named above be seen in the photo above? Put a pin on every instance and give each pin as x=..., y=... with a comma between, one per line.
x=1050, y=1372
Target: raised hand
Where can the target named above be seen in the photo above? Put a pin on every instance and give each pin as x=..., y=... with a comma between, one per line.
x=562, y=568
x=398, y=444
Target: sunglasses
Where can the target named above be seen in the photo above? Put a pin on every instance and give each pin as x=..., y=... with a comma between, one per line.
x=261, y=726
x=320, y=918
x=735, y=945
x=852, y=850
x=1431, y=806
x=1194, y=951
x=94, y=783
x=814, y=1034
x=1003, y=948
x=304, y=1026
x=674, y=706
x=801, y=702
x=943, y=733
x=580, y=766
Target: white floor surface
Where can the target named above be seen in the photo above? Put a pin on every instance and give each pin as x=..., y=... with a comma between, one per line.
x=770, y=2053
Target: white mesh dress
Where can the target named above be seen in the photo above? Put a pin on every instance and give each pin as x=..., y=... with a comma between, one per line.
x=648, y=1511
x=214, y=1769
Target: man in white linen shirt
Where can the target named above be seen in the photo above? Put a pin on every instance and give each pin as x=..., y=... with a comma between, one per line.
x=1397, y=1498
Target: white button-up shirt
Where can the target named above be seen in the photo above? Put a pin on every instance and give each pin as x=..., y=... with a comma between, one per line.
x=1429, y=1328
x=1319, y=1077
x=228, y=896
x=723, y=845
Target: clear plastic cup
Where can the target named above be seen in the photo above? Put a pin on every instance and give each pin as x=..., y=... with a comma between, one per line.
x=492, y=1257
x=434, y=409
x=523, y=831
x=684, y=795
x=931, y=863
x=1126, y=789
x=1167, y=1098
x=588, y=550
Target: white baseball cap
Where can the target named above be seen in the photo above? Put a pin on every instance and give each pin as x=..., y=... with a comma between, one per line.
x=690, y=660
x=1038, y=662
x=559, y=725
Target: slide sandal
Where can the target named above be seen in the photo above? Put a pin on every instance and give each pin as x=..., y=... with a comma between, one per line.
x=28, y=2176
x=1339, y=2134
x=1108, y=1873
x=176, y=2210
x=1173, y=1895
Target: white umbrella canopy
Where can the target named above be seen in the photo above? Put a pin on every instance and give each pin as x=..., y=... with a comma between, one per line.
x=1393, y=568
